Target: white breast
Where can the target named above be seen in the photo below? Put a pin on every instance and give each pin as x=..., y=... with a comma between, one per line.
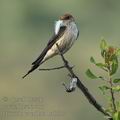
x=65, y=42
x=57, y=26
x=69, y=37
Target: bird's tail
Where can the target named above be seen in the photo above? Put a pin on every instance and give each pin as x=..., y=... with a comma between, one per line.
x=31, y=70
x=37, y=62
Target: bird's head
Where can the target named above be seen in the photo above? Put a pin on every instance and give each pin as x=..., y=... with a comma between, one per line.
x=67, y=17
x=64, y=20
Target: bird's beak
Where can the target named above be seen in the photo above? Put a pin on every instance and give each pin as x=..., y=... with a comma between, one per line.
x=58, y=24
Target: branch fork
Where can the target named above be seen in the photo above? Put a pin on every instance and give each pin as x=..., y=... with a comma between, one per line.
x=77, y=82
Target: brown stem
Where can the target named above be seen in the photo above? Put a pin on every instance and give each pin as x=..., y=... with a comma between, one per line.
x=55, y=68
x=112, y=94
x=111, y=90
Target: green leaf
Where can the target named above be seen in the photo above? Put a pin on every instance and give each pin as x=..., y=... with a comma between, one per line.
x=103, y=53
x=116, y=116
x=114, y=66
x=92, y=60
x=113, y=57
x=102, y=66
x=118, y=104
x=104, y=88
x=90, y=74
x=118, y=52
x=102, y=78
x=116, y=88
x=103, y=45
x=116, y=80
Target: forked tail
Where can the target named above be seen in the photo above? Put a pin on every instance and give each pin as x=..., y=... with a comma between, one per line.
x=31, y=70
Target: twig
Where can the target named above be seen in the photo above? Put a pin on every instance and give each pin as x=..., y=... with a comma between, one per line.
x=113, y=98
x=55, y=68
x=112, y=95
x=111, y=90
x=81, y=86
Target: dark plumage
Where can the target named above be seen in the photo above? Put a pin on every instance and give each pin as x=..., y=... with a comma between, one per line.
x=51, y=42
x=66, y=33
x=66, y=17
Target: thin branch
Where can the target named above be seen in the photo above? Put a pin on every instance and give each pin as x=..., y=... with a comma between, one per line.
x=55, y=68
x=113, y=99
x=112, y=95
x=111, y=90
x=81, y=86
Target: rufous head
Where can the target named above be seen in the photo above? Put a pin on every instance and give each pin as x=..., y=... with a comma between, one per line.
x=66, y=17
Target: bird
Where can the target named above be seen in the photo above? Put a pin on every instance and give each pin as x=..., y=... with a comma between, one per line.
x=65, y=34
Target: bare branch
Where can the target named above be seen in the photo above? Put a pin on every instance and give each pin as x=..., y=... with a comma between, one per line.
x=48, y=69
x=54, y=68
x=111, y=90
x=112, y=95
x=80, y=85
x=84, y=90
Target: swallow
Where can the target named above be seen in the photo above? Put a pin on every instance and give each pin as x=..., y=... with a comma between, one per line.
x=65, y=34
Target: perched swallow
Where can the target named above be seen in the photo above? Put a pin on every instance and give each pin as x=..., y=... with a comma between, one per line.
x=65, y=34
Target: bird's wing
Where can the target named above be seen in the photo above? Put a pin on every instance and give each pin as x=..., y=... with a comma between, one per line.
x=51, y=42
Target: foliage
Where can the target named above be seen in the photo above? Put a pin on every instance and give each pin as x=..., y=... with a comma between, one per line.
x=110, y=65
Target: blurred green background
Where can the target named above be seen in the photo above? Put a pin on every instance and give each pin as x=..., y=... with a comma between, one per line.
x=25, y=28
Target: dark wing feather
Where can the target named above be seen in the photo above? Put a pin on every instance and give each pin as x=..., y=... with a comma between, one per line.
x=42, y=55
x=51, y=42
x=78, y=34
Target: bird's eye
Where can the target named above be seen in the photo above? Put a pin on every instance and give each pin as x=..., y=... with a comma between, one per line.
x=67, y=17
